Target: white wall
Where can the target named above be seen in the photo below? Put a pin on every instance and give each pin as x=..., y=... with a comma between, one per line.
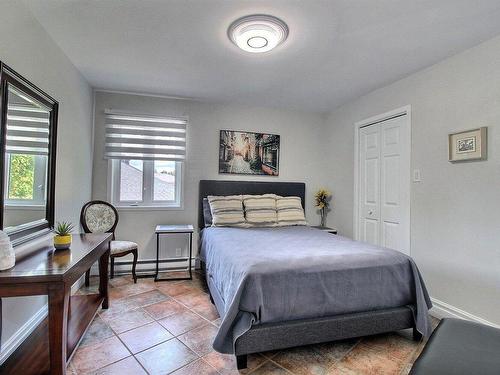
x=28, y=49
x=455, y=222
x=300, y=154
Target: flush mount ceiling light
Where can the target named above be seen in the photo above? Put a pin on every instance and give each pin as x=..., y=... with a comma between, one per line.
x=258, y=33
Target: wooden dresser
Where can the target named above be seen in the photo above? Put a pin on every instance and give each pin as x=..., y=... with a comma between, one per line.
x=52, y=273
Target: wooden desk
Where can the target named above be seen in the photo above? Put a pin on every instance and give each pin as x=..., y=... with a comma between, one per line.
x=52, y=273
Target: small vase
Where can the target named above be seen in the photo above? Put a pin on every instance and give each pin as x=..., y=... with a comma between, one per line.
x=323, y=217
x=62, y=242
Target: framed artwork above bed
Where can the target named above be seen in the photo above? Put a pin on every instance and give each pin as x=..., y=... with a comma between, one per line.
x=249, y=153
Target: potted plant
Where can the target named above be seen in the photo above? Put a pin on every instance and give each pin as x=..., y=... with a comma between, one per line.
x=62, y=239
x=323, y=198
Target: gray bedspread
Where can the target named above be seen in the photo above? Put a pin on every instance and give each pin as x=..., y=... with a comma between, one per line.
x=277, y=274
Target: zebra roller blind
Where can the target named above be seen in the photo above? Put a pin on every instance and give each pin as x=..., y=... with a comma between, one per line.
x=145, y=137
x=27, y=125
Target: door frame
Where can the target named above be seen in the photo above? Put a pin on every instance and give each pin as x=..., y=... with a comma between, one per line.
x=402, y=111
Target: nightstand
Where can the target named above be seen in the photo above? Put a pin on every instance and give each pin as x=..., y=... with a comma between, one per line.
x=163, y=231
x=326, y=229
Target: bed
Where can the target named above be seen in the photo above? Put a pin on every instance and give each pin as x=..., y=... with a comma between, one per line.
x=329, y=288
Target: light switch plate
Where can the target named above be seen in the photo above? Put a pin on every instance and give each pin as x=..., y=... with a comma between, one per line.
x=417, y=177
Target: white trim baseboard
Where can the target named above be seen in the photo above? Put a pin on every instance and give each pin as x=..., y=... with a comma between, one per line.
x=22, y=333
x=442, y=309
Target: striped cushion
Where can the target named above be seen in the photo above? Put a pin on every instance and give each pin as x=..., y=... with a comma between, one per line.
x=290, y=211
x=260, y=210
x=227, y=211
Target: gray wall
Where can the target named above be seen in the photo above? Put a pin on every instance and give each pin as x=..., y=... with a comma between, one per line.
x=300, y=154
x=27, y=48
x=455, y=221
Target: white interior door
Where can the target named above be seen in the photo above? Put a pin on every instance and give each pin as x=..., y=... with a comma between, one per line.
x=384, y=183
x=369, y=167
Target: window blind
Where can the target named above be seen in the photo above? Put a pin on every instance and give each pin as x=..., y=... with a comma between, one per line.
x=144, y=137
x=27, y=130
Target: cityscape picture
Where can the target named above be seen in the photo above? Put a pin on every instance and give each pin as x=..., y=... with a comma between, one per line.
x=249, y=153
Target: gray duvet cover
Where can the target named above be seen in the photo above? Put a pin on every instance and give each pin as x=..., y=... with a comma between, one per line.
x=268, y=275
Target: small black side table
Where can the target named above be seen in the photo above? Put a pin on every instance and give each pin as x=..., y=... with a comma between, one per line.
x=165, y=230
x=326, y=229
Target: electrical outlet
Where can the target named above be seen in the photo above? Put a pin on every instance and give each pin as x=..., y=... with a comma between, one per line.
x=178, y=252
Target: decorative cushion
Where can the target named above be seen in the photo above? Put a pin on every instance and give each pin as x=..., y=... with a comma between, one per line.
x=227, y=211
x=207, y=214
x=122, y=246
x=100, y=218
x=260, y=210
x=290, y=211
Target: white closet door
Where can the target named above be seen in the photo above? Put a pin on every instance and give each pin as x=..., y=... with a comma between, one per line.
x=384, y=184
x=395, y=185
x=369, y=166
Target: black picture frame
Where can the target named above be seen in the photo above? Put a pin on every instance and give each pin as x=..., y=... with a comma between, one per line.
x=259, y=156
x=28, y=231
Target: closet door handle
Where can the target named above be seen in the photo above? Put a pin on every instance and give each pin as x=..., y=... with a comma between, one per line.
x=370, y=212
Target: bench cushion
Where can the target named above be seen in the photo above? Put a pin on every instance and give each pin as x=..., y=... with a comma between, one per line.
x=460, y=347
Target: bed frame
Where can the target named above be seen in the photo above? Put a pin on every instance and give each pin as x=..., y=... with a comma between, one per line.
x=287, y=334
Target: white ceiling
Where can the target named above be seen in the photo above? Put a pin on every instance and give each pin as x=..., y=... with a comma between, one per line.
x=337, y=49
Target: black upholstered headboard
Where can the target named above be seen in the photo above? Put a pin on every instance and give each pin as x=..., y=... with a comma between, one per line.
x=219, y=187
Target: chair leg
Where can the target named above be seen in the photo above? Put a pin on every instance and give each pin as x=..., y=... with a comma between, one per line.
x=134, y=253
x=112, y=273
x=87, y=278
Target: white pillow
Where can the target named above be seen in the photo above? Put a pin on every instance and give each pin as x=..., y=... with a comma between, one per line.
x=260, y=210
x=290, y=211
x=227, y=211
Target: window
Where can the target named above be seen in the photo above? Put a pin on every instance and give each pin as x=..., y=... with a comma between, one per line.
x=147, y=154
x=26, y=179
x=26, y=151
x=146, y=183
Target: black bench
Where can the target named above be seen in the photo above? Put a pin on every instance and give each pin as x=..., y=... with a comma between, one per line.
x=459, y=347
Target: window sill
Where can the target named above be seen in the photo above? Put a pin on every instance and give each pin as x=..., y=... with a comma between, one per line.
x=34, y=207
x=150, y=208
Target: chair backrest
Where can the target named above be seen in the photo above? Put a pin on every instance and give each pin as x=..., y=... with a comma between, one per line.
x=99, y=217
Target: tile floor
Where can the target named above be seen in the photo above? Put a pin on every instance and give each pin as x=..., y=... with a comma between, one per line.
x=168, y=327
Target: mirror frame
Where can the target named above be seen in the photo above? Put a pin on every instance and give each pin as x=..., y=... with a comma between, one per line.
x=28, y=231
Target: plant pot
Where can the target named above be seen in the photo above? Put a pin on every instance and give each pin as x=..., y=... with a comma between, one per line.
x=62, y=242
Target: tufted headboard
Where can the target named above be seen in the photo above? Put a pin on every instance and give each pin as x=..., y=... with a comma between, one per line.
x=221, y=187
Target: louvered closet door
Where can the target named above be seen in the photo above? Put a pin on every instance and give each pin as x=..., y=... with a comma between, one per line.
x=384, y=165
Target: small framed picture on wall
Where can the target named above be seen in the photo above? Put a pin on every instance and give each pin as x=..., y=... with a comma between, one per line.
x=467, y=145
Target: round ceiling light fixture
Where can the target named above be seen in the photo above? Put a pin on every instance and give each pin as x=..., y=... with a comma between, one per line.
x=258, y=33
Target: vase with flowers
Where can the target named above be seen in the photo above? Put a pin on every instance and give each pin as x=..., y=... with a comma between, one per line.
x=323, y=198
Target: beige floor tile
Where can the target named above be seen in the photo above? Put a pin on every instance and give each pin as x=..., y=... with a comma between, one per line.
x=199, y=367
x=96, y=356
x=166, y=357
x=127, y=366
x=200, y=339
x=164, y=309
x=144, y=337
x=128, y=320
x=182, y=322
